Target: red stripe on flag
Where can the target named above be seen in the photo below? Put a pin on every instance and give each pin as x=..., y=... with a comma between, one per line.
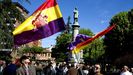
x=96, y=36
x=47, y=4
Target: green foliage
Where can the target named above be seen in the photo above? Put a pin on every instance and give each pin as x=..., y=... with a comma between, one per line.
x=95, y=49
x=86, y=32
x=33, y=49
x=62, y=41
x=27, y=49
x=119, y=40
x=5, y=55
x=8, y=17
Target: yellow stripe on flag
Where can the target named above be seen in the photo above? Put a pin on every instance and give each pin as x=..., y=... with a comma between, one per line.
x=25, y=26
x=52, y=13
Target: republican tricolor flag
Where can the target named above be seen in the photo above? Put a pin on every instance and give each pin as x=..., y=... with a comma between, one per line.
x=44, y=22
x=83, y=40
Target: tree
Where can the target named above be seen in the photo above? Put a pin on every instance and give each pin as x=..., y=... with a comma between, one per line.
x=95, y=49
x=130, y=33
x=34, y=49
x=119, y=41
x=60, y=50
x=8, y=17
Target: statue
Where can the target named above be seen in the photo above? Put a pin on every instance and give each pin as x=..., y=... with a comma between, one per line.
x=76, y=14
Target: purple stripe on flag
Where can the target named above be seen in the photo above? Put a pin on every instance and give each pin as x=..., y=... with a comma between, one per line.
x=79, y=39
x=39, y=33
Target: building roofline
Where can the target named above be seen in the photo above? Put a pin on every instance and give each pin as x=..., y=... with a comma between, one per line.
x=24, y=9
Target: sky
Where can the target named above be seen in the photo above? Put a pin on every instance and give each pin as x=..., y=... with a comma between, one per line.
x=93, y=14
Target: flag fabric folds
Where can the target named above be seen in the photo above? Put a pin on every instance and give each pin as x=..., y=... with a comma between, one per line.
x=80, y=45
x=79, y=39
x=44, y=22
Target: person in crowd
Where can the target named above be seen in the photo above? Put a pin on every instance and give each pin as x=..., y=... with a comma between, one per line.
x=25, y=68
x=91, y=70
x=39, y=69
x=72, y=70
x=65, y=69
x=79, y=67
x=50, y=69
x=53, y=68
x=97, y=69
x=132, y=71
x=47, y=69
x=125, y=71
x=11, y=68
x=2, y=66
x=59, y=70
x=85, y=70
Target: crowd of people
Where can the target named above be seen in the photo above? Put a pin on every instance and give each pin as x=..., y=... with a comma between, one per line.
x=24, y=66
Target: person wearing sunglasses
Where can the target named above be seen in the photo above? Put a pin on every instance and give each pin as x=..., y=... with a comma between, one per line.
x=97, y=69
